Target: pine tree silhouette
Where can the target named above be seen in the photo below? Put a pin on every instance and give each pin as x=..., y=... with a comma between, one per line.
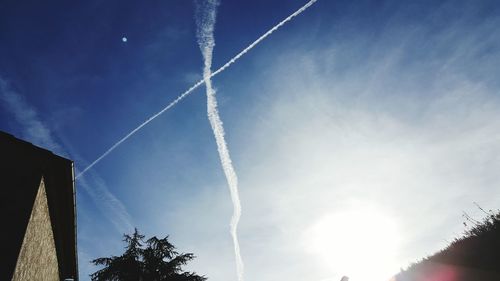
x=153, y=260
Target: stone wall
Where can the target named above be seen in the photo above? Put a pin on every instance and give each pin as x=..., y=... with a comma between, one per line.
x=38, y=259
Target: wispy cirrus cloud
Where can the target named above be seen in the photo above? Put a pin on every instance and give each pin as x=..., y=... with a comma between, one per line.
x=24, y=114
x=34, y=129
x=411, y=130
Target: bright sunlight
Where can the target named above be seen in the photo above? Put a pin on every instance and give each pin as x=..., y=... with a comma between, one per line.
x=359, y=243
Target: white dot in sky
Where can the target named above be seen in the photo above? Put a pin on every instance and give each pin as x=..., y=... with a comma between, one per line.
x=124, y=39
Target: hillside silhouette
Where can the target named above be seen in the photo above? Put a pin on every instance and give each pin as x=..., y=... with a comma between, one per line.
x=473, y=257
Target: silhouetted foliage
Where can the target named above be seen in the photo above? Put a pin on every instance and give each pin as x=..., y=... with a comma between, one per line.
x=478, y=249
x=153, y=260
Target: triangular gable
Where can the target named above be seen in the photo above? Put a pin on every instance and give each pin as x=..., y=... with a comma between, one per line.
x=37, y=258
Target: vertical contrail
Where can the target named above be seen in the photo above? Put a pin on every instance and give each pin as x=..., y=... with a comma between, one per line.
x=197, y=84
x=205, y=20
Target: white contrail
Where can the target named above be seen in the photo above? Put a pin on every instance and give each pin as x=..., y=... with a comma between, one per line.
x=199, y=83
x=170, y=105
x=205, y=19
x=269, y=32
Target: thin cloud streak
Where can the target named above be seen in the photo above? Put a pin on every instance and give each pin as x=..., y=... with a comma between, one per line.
x=24, y=114
x=34, y=130
x=112, y=208
x=205, y=20
x=196, y=85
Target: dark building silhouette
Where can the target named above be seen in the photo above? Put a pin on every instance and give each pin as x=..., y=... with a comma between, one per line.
x=37, y=209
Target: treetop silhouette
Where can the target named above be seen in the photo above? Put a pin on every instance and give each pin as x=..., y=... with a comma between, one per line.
x=151, y=260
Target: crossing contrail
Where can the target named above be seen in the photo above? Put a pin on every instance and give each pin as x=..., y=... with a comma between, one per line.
x=205, y=20
x=198, y=84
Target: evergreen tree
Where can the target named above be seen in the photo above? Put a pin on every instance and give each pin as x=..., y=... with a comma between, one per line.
x=156, y=260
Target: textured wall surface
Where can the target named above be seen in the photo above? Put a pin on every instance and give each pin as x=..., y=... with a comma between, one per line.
x=37, y=259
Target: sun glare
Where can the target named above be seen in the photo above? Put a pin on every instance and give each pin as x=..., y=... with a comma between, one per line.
x=359, y=243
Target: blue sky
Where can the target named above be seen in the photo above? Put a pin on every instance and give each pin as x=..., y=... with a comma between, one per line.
x=384, y=111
